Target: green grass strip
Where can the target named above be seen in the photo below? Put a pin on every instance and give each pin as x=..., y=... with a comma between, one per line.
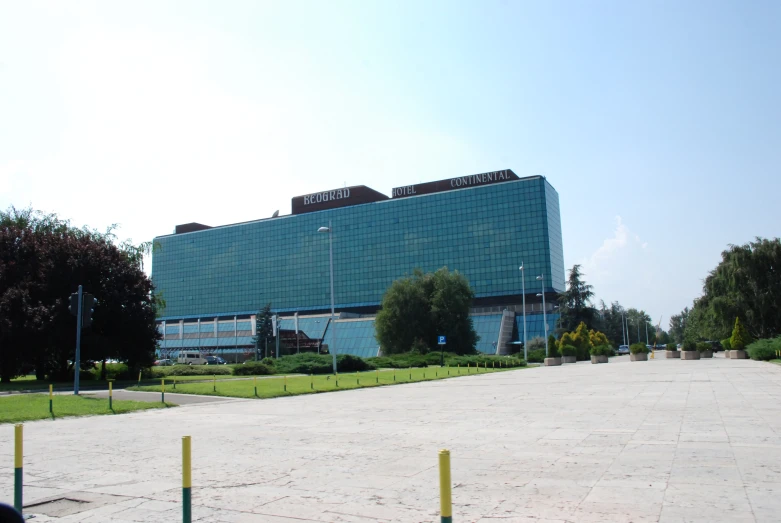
x=26, y=407
x=272, y=387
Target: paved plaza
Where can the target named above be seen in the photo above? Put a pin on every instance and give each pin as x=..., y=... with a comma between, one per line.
x=663, y=440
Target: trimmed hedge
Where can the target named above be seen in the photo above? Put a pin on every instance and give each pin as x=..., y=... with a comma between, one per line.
x=672, y=347
x=536, y=356
x=726, y=344
x=252, y=369
x=638, y=348
x=703, y=346
x=689, y=346
x=200, y=370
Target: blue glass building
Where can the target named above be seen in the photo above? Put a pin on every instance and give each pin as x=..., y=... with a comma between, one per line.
x=214, y=279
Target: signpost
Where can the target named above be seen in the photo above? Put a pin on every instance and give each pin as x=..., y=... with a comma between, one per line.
x=441, y=341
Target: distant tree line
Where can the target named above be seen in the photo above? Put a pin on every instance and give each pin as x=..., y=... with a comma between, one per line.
x=43, y=259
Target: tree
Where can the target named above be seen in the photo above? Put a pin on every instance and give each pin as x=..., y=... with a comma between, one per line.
x=264, y=329
x=575, y=302
x=417, y=309
x=42, y=261
x=745, y=284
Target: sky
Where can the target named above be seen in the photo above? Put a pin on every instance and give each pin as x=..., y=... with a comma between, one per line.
x=658, y=122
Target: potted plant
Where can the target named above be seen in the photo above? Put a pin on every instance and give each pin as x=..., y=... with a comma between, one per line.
x=725, y=344
x=672, y=351
x=600, y=353
x=638, y=352
x=569, y=354
x=705, y=349
x=553, y=356
x=690, y=351
x=738, y=341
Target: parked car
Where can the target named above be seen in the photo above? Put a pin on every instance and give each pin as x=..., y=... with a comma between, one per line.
x=215, y=360
x=622, y=349
x=163, y=363
x=191, y=358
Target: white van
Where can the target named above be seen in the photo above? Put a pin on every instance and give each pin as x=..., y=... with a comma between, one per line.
x=190, y=358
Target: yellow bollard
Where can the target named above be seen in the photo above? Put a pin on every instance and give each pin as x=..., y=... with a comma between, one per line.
x=18, y=442
x=445, y=501
x=187, y=479
x=110, y=395
x=139, y=378
x=51, y=400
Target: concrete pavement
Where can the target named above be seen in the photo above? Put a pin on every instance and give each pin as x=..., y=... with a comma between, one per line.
x=657, y=441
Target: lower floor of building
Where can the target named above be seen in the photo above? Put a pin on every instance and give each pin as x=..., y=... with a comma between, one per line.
x=499, y=331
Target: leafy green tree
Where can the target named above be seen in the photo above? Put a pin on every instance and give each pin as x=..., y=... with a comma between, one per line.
x=739, y=338
x=417, y=309
x=575, y=302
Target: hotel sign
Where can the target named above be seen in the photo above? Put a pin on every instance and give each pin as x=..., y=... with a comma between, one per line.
x=461, y=182
x=343, y=197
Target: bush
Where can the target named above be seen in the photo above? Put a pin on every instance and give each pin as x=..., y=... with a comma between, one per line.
x=536, y=356
x=672, y=347
x=725, y=344
x=601, y=350
x=689, y=346
x=638, y=348
x=553, y=351
x=568, y=350
x=740, y=337
x=703, y=346
x=583, y=354
x=253, y=368
x=764, y=350
x=200, y=370
x=402, y=361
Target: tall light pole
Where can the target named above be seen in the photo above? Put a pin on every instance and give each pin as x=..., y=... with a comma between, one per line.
x=541, y=277
x=623, y=328
x=523, y=297
x=330, y=232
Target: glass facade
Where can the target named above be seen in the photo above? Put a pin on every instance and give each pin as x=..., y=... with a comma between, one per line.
x=215, y=279
x=484, y=232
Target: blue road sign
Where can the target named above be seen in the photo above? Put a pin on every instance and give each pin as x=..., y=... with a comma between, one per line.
x=441, y=340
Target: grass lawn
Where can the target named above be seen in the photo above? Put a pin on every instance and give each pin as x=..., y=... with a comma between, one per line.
x=777, y=362
x=25, y=407
x=273, y=386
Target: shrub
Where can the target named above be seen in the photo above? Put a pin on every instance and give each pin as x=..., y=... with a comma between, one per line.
x=252, y=369
x=689, y=346
x=764, y=350
x=537, y=343
x=638, y=348
x=601, y=350
x=568, y=350
x=583, y=354
x=536, y=356
x=725, y=344
x=740, y=337
x=703, y=346
x=192, y=370
x=553, y=351
x=672, y=347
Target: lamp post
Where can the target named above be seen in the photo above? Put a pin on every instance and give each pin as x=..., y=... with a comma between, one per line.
x=330, y=232
x=623, y=328
x=523, y=297
x=541, y=277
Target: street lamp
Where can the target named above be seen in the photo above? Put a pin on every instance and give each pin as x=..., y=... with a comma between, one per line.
x=523, y=295
x=330, y=232
x=541, y=277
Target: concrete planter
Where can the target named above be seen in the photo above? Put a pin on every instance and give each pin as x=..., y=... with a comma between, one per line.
x=672, y=354
x=690, y=355
x=598, y=359
x=738, y=355
x=569, y=359
x=638, y=357
x=728, y=354
x=706, y=354
x=552, y=362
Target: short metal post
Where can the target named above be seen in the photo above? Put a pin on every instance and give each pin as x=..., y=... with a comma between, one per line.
x=51, y=398
x=110, y=395
x=255, y=383
x=187, y=480
x=214, y=382
x=445, y=501
x=285, y=383
x=377, y=371
x=18, y=430
x=162, y=389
